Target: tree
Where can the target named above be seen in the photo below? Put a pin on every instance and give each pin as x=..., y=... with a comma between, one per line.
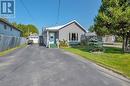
x=32, y=28
x=26, y=29
x=14, y=24
x=91, y=28
x=114, y=18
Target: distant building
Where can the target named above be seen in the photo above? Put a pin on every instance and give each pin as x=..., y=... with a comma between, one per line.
x=34, y=37
x=8, y=29
x=108, y=39
x=71, y=32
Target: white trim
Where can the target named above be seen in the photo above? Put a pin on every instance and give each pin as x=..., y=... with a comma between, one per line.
x=55, y=28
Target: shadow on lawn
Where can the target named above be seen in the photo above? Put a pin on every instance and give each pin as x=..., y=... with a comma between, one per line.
x=114, y=50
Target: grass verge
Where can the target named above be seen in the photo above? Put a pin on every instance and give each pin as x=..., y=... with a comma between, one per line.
x=10, y=50
x=111, y=59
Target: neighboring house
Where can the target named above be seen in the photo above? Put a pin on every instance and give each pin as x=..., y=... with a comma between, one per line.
x=8, y=29
x=83, y=37
x=10, y=36
x=34, y=37
x=108, y=39
x=71, y=32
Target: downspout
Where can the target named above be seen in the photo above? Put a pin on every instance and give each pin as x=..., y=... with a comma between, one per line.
x=48, y=45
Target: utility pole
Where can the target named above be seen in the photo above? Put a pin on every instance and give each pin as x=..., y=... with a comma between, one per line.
x=28, y=32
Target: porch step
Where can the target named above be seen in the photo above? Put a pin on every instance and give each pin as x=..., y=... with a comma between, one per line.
x=53, y=46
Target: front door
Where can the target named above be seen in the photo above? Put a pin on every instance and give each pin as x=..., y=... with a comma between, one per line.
x=52, y=38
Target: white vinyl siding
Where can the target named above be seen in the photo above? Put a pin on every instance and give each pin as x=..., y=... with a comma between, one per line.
x=66, y=33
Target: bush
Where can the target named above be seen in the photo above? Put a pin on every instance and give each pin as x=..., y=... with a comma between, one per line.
x=63, y=43
x=95, y=46
x=93, y=43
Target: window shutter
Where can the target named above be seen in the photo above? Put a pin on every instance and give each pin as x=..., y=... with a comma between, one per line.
x=77, y=36
x=69, y=36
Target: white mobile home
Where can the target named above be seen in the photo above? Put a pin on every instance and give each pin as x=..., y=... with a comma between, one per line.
x=34, y=37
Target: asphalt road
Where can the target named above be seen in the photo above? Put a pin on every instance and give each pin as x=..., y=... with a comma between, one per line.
x=39, y=66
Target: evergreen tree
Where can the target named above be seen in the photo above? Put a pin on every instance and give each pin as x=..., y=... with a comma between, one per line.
x=114, y=18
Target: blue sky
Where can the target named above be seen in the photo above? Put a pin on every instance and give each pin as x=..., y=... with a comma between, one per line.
x=44, y=12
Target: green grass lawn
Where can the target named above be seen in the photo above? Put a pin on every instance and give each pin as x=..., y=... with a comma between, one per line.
x=111, y=59
x=10, y=50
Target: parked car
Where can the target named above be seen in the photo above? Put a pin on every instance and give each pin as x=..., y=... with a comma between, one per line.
x=30, y=42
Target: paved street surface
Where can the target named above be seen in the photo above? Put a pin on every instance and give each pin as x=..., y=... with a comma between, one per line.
x=39, y=66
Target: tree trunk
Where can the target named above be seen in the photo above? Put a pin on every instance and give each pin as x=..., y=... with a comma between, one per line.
x=124, y=44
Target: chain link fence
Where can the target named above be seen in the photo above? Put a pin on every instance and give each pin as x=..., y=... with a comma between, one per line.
x=7, y=42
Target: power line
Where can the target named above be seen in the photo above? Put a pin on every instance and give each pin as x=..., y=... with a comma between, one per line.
x=25, y=7
x=58, y=14
x=28, y=12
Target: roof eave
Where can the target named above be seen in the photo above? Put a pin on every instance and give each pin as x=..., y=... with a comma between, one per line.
x=74, y=21
x=10, y=25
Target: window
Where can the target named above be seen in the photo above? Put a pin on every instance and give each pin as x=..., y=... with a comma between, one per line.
x=51, y=37
x=73, y=36
x=11, y=28
x=5, y=27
